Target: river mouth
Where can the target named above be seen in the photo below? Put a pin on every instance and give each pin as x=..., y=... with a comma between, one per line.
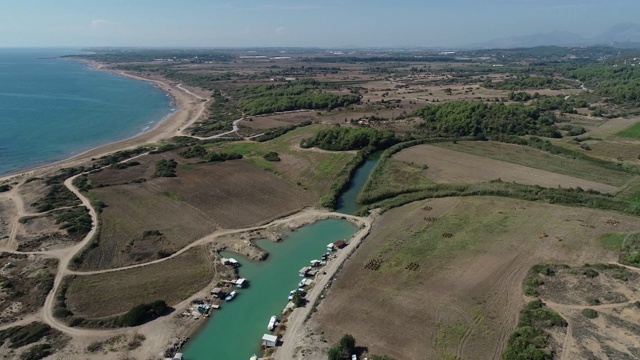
x=236, y=329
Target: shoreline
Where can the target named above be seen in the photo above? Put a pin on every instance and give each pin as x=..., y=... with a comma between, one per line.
x=188, y=108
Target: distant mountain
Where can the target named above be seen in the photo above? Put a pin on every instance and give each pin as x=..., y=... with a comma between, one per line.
x=557, y=38
x=619, y=34
x=627, y=34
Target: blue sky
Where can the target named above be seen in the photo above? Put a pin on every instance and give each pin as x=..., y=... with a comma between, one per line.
x=324, y=23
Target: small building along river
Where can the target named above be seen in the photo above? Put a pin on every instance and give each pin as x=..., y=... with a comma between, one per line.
x=235, y=332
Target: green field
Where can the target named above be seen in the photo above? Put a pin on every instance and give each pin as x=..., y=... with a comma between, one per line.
x=631, y=132
x=527, y=156
x=315, y=170
x=394, y=176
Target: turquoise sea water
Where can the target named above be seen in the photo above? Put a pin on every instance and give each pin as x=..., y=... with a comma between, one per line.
x=51, y=109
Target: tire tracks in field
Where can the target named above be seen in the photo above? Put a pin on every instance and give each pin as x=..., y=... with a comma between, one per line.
x=505, y=288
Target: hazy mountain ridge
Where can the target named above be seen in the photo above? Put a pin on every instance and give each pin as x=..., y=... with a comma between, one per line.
x=626, y=34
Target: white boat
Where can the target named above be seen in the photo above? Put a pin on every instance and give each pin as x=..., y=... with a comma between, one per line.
x=230, y=296
x=316, y=263
x=272, y=323
x=242, y=282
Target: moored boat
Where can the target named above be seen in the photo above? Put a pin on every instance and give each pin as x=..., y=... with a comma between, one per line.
x=230, y=296
x=272, y=323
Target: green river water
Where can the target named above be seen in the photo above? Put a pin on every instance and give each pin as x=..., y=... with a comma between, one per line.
x=234, y=331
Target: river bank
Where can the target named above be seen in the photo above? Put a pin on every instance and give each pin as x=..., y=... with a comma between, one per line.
x=162, y=332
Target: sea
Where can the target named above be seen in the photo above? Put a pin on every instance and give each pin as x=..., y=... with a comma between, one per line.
x=53, y=108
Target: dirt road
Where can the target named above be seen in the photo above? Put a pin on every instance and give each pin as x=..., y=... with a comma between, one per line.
x=298, y=316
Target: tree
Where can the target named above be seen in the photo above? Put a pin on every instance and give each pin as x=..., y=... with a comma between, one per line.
x=297, y=299
x=335, y=353
x=348, y=343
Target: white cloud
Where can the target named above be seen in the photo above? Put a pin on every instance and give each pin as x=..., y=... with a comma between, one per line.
x=101, y=23
x=280, y=30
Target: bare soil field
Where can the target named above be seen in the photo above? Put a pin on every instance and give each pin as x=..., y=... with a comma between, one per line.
x=111, y=293
x=599, y=303
x=156, y=218
x=271, y=121
x=442, y=279
x=449, y=166
x=25, y=281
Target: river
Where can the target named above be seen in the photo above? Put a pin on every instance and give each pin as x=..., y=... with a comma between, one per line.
x=235, y=330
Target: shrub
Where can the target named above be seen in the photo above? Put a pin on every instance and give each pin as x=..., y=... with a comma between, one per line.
x=272, y=156
x=590, y=273
x=20, y=336
x=142, y=313
x=347, y=343
x=589, y=313
x=37, y=352
x=4, y=188
x=165, y=168
x=298, y=299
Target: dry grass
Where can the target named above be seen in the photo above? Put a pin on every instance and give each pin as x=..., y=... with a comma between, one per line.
x=24, y=285
x=615, y=150
x=611, y=293
x=174, y=280
x=42, y=233
x=7, y=211
x=134, y=209
x=464, y=296
x=203, y=196
x=525, y=166
x=308, y=169
x=271, y=121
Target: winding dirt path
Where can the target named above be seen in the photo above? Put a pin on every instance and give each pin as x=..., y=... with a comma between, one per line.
x=65, y=255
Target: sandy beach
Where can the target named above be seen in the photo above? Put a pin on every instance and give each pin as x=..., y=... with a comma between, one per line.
x=189, y=107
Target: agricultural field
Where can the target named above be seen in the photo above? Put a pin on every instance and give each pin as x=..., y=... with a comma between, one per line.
x=449, y=273
x=632, y=132
x=25, y=281
x=310, y=169
x=278, y=120
x=452, y=166
x=112, y=293
x=537, y=159
x=153, y=219
x=609, y=150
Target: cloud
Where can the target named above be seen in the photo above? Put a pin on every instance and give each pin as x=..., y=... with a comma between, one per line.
x=101, y=23
x=280, y=30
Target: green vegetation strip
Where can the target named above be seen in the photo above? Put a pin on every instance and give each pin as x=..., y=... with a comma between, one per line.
x=571, y=197
x=631, y=132
x=530, y=340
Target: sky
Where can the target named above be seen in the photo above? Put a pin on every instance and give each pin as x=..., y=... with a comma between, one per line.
x=319, y=23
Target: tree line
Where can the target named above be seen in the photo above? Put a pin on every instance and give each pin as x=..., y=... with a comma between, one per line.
x=301, y=94
x=344, y=139
x=462, y=118
x=622, y=83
